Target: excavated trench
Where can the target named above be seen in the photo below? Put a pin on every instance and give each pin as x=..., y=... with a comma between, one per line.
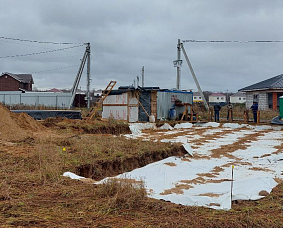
x=104, y=169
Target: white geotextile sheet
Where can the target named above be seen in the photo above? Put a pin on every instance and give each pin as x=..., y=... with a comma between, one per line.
x=206, y=181
x=175, y=179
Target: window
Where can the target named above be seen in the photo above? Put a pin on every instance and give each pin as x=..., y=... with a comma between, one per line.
x=240, y=99
x=199, y=98
x=222, y=98
x=244, y=98
x=217, y=98
x=256, y=97
x=195, y=98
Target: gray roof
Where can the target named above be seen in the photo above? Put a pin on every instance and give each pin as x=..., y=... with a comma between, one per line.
x=239, y=94
x=24, y=78
x=196, y=94
x=271, y=83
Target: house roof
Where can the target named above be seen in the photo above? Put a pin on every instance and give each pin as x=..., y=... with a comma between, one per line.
x=217, y=95
x=54, y=90
x=271, y=83
x=24, y=78
x=196, y=94
x=239, y=94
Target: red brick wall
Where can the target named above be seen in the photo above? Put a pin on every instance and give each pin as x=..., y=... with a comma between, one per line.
x=8, y=83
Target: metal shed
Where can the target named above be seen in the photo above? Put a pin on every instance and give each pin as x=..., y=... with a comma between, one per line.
x=135, y=105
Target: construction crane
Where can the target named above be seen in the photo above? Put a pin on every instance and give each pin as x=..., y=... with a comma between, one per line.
x=100, y=100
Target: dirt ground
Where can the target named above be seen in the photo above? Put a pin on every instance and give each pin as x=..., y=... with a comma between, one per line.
x=33, y=192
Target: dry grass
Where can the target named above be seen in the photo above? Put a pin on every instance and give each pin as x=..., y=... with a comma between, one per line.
x=110, y=126
x=34, y=194
x=122, y=194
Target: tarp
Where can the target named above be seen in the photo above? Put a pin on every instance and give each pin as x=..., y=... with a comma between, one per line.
x=277, y=120
x=145, y=100
x=44, y=114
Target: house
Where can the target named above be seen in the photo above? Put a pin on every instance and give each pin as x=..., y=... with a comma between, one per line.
x=16, y=82
x=238, y=98
x=266, y=93
x=55, y=90
x=217, y=98
x=130, y=104
x=197, y=98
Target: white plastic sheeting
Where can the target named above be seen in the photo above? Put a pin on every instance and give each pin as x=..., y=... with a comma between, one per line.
x=183, y=125
x=205, y=181
x=72, y=176
x=136, y=128
x=166, y=126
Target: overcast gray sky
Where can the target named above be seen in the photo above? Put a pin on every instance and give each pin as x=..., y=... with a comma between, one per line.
x=127, y=34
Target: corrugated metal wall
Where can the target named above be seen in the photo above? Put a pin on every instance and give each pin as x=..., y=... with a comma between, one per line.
x=49, y=99
x=166, y=100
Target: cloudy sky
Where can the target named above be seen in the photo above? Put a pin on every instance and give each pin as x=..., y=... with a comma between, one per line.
x=128, y=34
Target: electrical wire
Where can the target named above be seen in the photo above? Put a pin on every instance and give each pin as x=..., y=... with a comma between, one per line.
x=36, y=72
x=38, y=53
x=36, y=41
x=233, y=41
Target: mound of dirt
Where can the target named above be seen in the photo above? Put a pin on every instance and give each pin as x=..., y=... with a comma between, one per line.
x=16, y=127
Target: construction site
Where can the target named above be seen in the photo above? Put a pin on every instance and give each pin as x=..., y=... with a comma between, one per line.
x=139, y=157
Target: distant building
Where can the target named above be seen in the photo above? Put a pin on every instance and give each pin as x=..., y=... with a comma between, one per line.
x=16, y=82
x=266, y=93
x=238, y=98
x=55, y=90
x=217, y=98
x=197, y=97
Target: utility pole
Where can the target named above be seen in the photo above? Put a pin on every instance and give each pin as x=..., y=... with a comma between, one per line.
x=88, y=76
x=178, y=66
x=143, y=76
x=227, y=95
x=138, y=81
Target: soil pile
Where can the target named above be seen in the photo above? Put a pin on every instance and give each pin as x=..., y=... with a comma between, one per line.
x=16, y=127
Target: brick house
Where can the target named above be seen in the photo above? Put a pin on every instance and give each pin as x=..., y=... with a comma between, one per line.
x=266, y=93
x=16, y=82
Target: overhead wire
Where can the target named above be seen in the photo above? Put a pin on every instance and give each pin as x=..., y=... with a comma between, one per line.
x=36, y=41
x=38, y=53
x=60, y=68
x=233, y=41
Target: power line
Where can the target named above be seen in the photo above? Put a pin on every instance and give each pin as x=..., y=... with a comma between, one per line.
x=35, y=41
x=54, y=69
x=38, y=53
x=233, y=41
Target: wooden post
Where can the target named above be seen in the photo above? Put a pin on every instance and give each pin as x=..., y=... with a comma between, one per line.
x=246, y=116
x=258, y=117
x=210, y=118
x=230, y=115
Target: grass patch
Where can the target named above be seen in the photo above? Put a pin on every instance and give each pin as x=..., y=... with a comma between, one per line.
x=33, y=192
x=122, y=194
x=110, y=126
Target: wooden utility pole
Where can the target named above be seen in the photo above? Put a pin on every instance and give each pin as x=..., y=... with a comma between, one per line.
x=143, y=76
